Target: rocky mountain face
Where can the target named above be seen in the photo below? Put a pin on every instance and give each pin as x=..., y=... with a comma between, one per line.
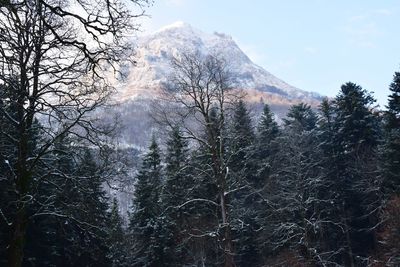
x=155, y=51
x=142, y=82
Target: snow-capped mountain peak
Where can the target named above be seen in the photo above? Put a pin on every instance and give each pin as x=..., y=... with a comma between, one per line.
x=155, y=51
x=176, y=24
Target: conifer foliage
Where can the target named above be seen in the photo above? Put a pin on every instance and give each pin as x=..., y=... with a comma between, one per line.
x=145, y=223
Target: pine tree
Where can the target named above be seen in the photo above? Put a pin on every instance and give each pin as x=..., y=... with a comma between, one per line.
x=242, y=180
x=267, y=127
x=76, y=233
x=265, y=147
x=118, y=252
x=241, y=135
x=301, y=117
x=391, y=148
x=240, y=141
x=177, y=190
x=292, y=192
x=389, y=233
x=92, y=209
x=353, y=171
x=145, y=223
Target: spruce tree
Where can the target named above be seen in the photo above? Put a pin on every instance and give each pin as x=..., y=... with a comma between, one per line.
x=265, y=145
x=301, y=117
x=354, y=142
x=391, y=148
x=267, y=127
x=177, y=190
x=240, y=140
x=92, y=208
x=242, y=181
x=389, y=235
x=292, y=190
x=145, y=225
x=118, y=252
x=241, y=135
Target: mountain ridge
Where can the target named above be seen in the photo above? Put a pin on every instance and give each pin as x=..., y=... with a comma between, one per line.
x=154, y=53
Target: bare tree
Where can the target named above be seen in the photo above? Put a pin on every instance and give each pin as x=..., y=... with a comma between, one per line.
x=53, y=58
x=201, y=90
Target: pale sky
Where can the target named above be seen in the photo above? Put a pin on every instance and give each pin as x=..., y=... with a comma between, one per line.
x=315, y=45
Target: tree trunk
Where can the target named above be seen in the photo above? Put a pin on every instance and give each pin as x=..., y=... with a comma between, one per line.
x=22, y=184
x=17, y=242
x=228, y=247
x=348, y=239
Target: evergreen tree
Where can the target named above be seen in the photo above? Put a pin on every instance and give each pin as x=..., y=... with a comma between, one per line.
x=239, y=143
x=177, y=190
x=293, y=191
x=118, y=252
x=265, y=147
x=301, y=117
x=242, y=180
x=241, y=136
x=145, y=223
x=352, y=170
x=75, y=232
x=391, y=149
x=203, y=222
x=267, y=127
x=91, y=208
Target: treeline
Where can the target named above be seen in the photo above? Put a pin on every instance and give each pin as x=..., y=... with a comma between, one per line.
x=322, y=189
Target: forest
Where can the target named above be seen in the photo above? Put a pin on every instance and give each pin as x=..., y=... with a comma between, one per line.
x=218, y=184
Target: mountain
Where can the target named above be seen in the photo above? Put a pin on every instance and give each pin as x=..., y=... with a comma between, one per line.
x=155, y=51
x=141, y=83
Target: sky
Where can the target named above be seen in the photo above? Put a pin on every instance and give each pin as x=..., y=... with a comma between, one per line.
x=315, y=45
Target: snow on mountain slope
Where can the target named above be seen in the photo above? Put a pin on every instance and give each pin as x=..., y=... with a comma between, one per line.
x=154, y=53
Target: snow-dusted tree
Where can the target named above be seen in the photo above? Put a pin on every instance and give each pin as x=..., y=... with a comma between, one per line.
x=240, y=147
x=116, y=238
x=241, y=137
x=301, y=117
x=352, y=168
x=389, y=232
x=265, y=147
x=199, y=86
x=92, y=208
x=53, y=54
x=292, y=218
x=145, y=223
x=391, y=148
x=177, y=190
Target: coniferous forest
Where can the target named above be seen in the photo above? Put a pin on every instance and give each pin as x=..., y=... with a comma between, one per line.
x=218, y=185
